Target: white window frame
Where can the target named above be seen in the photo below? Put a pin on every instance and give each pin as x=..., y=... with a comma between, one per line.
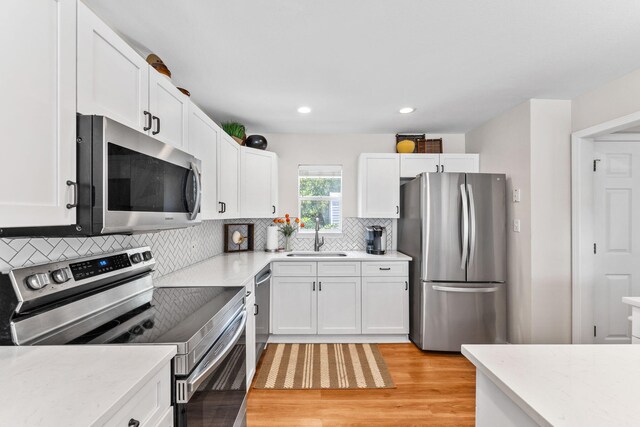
x=310, y=231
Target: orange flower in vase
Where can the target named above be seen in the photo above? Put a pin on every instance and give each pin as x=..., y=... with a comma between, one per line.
x=287, y=229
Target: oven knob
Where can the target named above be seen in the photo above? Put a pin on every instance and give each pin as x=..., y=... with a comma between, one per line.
x=147, y=255
x=37, y=281
x=136, y=258
x=137, y=330
x=60, y=276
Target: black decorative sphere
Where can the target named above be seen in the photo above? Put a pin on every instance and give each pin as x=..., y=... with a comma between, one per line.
x=256, y=141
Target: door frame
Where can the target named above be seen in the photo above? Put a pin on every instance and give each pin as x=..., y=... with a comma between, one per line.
x=582, y=228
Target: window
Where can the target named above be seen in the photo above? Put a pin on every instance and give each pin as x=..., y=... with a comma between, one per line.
x=320, y=196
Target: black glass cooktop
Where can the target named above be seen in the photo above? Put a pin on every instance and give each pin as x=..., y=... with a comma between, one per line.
x=174, y=316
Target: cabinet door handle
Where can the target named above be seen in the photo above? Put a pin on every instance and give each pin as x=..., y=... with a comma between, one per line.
x=319, y=286
x=220, y=211
x=133, y=423
x=385, y=268
x=314, y=286
x=397, y=209
x=75, y=195
x=224, y=207
x=149, y=119
x=406, y=285
x=157, y=120
x=274, y=209
x=256, y=310
x=437, y=168
x=442, y=167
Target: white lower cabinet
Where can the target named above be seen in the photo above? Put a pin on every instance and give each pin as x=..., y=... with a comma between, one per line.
x=385, y=305
x=294, y=305
x=250, y=337
x=339, y=305
x=351, y=304
x=150, y=405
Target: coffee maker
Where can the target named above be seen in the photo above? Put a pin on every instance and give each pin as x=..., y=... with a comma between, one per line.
x=376, y=239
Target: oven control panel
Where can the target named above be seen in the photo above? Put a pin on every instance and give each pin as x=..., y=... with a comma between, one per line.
x=41, y=284
x=85, y=269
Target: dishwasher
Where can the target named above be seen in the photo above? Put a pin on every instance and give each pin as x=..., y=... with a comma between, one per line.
x=262, y=309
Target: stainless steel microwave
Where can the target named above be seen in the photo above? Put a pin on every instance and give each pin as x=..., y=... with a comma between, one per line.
x=127, y=182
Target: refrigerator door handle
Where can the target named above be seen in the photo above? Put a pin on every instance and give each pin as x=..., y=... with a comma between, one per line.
x=472, y=227
x=465, y=226
x=465, y=290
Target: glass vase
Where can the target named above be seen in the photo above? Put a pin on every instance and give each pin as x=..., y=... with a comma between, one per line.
x=287, y=243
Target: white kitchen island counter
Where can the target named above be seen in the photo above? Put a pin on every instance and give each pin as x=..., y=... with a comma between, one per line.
x=556, y=385
x=236, y=269
x=71, y=385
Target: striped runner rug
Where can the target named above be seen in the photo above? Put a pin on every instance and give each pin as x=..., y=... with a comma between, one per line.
x=322, y=366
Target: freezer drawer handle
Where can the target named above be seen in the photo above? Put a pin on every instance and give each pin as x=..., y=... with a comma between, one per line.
x=465, y=290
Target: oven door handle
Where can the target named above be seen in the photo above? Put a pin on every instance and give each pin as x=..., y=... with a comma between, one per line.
x=196, y=205
x=211, y=362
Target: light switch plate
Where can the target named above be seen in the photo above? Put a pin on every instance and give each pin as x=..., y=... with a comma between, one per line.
x=516, y=225
x=516, y=195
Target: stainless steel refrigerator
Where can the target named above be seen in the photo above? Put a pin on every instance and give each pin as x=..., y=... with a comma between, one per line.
x=454, y=227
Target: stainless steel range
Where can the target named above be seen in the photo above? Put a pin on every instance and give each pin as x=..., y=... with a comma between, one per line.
x=110, y=299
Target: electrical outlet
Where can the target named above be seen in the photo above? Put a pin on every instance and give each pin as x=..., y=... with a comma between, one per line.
x=516, y=195
x=516, y=225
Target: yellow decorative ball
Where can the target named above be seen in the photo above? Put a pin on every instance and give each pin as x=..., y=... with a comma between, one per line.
x=406, y=146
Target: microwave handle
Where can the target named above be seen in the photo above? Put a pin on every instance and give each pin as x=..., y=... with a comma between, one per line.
x=196, y=206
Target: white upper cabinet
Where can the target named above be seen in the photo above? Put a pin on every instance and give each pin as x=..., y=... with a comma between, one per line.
x=259, y=183
x=412, y=165
x=379, y=185
x=203, y=144
x=169, y=108
x=417, y=163
x=113, y=80
x=38, y=116
x=468, y=163
x=228, y=177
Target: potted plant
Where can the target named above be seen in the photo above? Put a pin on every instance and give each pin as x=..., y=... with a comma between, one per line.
x=235, y=130
x=288, y=229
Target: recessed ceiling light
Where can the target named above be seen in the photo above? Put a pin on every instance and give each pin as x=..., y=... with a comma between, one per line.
x=407, y=110
x=304, y=110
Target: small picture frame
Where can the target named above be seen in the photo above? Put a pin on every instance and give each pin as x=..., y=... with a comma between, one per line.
x=238, y=237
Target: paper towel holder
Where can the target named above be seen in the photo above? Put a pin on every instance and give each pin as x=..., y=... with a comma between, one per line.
x=277, y=249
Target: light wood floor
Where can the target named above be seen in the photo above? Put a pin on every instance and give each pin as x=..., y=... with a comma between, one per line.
x=433, y=389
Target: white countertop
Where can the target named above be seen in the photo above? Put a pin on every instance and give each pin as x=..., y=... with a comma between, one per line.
x=633, y=301
x=238, y=268
x=566, y=385
x=73, y=385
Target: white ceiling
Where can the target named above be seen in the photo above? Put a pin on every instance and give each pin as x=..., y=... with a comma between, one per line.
x=356, y=62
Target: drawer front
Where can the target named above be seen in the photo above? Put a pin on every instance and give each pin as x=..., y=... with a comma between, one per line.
x=339, y=268
x=294, y=269
x=149, y=404
x=388, y=269
x=635, y=322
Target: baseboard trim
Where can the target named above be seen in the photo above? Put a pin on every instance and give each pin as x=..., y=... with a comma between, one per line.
x=328, y=339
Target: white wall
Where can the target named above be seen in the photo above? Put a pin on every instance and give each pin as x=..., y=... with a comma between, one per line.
x=610, y=101
x=504, y=146
x=531, y=145
x=341, y=149
x=550, y=221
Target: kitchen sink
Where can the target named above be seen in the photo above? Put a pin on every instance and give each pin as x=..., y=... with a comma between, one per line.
x=317, y=254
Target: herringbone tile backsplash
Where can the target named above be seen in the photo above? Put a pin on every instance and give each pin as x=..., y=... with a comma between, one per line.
x=174, y=249
x=351, y=239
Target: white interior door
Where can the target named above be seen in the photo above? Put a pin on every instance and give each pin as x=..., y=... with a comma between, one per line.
x=617, y=235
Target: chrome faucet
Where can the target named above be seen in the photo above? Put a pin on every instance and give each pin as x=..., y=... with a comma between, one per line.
x=318, y=243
